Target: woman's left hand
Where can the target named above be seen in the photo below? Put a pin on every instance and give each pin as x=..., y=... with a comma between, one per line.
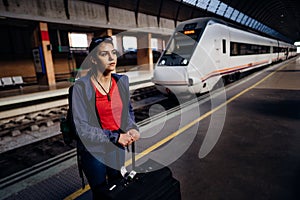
x=135, y=135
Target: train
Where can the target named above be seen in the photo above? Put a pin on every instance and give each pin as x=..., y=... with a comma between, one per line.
x=202, y=51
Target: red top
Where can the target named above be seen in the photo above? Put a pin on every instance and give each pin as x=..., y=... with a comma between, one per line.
x=110, y=112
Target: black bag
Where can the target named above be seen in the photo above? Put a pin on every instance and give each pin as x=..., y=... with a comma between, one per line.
x=67, y=126
x=147, y=185
x=68, y=130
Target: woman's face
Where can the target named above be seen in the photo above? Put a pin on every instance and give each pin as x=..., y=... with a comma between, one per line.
x=106, y=57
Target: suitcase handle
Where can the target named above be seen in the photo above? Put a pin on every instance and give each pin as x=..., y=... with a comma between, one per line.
x=133, y=155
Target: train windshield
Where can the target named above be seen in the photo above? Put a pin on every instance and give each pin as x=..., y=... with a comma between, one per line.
x=180, y=48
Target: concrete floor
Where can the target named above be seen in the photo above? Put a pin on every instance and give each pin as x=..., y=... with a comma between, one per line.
x=258, y=153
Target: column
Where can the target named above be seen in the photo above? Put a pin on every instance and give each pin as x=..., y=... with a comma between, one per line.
x=47, y=53
x=109, y=32
x=144, y=51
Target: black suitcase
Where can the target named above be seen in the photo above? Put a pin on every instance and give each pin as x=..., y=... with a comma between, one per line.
x=147, y=185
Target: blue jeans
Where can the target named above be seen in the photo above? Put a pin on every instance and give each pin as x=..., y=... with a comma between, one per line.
x=101, y=168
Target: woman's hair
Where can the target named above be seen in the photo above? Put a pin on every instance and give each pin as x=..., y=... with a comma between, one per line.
x=98, y=40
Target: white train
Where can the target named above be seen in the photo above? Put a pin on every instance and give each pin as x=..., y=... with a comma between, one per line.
x=203, y=50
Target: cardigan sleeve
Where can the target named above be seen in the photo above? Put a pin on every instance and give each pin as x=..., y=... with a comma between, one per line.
x=131, y=124
x=90, y=134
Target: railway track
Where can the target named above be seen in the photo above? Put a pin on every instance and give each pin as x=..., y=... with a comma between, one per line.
x=37, y=156
x=23, y=157
x=17, y=164
x=16, y=125
x=30, y=156
x=28, y=160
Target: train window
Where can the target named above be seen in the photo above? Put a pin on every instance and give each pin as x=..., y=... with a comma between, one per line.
x=224, y=45
x=234, y=51
x=239, y=49
x=190, y=26
x=180, y=49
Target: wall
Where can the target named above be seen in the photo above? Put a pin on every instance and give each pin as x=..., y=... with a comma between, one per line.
x=80, y=13
x=25, y=68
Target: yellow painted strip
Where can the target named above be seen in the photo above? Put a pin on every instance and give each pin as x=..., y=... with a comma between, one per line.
x=179, y=131
x=78, y=193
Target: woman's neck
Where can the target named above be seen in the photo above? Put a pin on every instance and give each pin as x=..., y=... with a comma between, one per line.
x=103, y=77
x=103, y=83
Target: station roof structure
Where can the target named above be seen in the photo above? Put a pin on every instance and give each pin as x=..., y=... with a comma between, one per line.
x=277, y=18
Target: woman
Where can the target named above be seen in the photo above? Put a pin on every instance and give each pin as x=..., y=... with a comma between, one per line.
x=103, y=116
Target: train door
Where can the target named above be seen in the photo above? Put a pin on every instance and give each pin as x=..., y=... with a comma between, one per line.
x=278, y=51
x=221, y=48
x=286, y=53
x=220, y=52
x=224, y=54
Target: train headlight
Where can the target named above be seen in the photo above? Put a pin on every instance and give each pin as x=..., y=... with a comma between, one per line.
x=184, y=61
x=163, y=62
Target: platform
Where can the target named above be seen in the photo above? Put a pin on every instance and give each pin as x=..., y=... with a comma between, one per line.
x=255, y=155
x=35, y=92
x=137, y=79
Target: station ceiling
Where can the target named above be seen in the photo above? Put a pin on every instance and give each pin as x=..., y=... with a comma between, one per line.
x=281, y=16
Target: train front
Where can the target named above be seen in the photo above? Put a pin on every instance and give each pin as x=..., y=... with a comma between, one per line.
x=171, y=73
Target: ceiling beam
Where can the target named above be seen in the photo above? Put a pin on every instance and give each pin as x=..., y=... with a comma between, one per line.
x=159, y=12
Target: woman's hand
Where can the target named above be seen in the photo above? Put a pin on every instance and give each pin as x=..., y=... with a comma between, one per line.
x=129, y=137
x=135, y=135
x=125, y=139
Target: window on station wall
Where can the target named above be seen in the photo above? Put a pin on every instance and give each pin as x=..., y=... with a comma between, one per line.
x=221, y=10
x=213, y=5
x=228, y=12
x=244, y=19
x=115, y=41
x=298, y=46
x=129, y=44
x=156, y=50
x=78, y=40
x=202, y=4
x=154, y=44
x=234, y=15
x=240, y=17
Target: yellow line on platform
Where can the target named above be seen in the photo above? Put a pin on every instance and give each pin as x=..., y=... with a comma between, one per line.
x=78, y=193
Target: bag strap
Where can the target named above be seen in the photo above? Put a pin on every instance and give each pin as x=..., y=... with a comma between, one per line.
x=80, y=170
x=79, y=160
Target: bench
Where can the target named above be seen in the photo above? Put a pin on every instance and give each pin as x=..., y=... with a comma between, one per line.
x=7, y=81
x=18, y=80
x=11, y=82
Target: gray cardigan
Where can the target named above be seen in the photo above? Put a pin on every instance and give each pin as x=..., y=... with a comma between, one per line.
x=86, y=119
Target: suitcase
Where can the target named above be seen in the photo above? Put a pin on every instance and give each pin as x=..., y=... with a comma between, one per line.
x=146, y=185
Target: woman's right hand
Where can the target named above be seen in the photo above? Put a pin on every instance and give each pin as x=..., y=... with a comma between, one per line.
x=125, y=139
